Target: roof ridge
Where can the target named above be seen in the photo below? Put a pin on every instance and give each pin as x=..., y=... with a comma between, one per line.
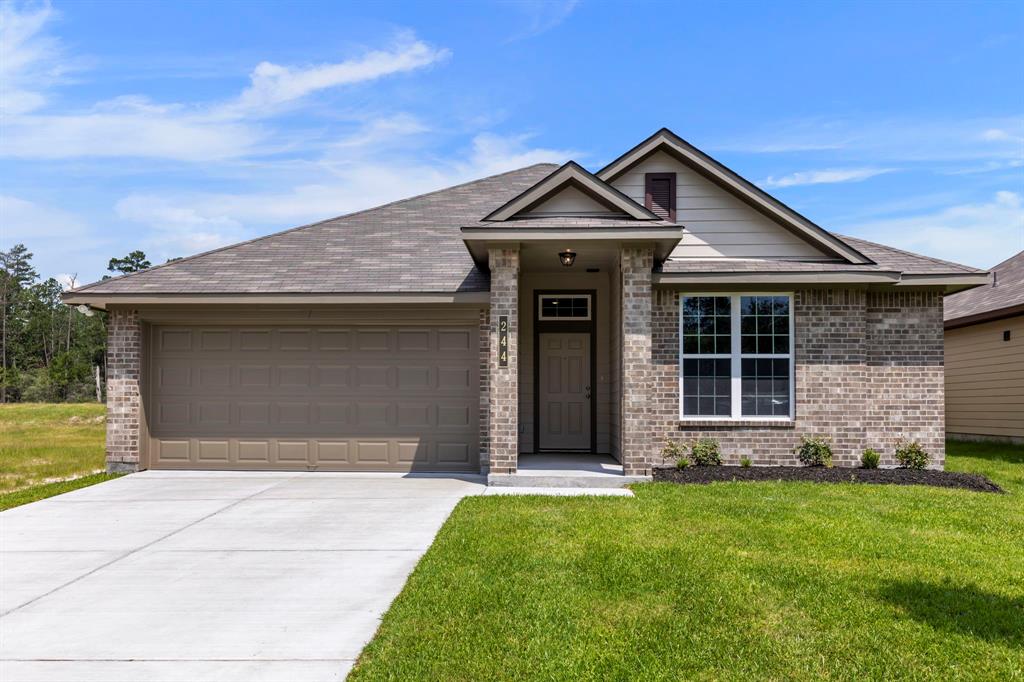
x=910, y=253
x=1014, y=257
x=306, y=226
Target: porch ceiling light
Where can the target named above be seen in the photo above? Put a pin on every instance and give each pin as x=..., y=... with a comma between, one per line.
x=568, y=257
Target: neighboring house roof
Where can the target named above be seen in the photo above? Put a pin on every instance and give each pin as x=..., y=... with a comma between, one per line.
x=412, y=245
x=667, y=141
x=1001, y=297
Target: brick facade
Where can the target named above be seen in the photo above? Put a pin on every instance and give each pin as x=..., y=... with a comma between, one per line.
x=124, y=397
x=869, y=371
x=503, y=382
x=635, y=265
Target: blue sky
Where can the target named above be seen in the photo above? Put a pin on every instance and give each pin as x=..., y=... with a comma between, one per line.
x=179, y=127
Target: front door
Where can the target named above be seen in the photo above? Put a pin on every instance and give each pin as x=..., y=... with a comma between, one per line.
x=565, y=391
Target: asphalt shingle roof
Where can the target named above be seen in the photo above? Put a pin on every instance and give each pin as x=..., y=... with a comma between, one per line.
x=415, y=246
x=1004, y=290
x=886, y=259
x=412, y=245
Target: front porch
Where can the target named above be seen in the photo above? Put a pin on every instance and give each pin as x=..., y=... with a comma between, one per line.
x=567, y=396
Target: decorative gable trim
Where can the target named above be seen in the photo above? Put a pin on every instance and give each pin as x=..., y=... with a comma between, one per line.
x=667, y=141
x=572, y=175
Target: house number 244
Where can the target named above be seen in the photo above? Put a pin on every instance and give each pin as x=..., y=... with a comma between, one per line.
x=503, y=341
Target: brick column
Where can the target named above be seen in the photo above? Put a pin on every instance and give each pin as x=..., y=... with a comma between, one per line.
x=124, y=402
x=503, y=413
x=635, y=264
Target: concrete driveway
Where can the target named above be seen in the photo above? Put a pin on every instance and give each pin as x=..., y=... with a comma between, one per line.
x=211, y=576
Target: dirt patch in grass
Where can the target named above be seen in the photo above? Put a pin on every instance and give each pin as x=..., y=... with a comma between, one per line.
x=942, y=479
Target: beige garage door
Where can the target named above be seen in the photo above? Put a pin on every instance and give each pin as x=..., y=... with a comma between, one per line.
x=339, y=398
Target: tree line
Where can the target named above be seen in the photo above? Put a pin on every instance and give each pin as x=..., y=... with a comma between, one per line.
x=51, y=352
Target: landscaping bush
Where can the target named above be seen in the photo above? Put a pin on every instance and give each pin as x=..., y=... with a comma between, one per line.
x=745, y=461
x=869, y=459
x=911, y=455
x=675, y=451
x=706, y=452
x=814, y=451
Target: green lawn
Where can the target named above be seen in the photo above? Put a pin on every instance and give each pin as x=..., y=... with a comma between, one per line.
x=43, y=443
x=727, y=581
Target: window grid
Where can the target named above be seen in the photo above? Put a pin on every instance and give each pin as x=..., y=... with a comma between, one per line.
x=564, y=307
x=758, y=390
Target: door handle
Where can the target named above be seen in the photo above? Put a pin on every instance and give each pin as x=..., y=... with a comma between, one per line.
x=587, y=389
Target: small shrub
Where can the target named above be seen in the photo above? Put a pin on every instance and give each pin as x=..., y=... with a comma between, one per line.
x=672, y=450
x=814, y=451
x=706, y=452
x=869, y=459
x=911, y=455
x=682, y=462
x=745, y=461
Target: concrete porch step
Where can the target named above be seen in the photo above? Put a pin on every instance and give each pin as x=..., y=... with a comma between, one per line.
x=566, y=471
x=561, y=480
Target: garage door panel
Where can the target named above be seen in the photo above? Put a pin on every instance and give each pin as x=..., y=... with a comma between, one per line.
x=373, y=340
x=213, y=450
x=215, y=340
x=253, y=340
x=368, y=398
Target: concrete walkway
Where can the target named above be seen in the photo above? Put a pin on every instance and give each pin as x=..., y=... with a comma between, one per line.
x=211, y=576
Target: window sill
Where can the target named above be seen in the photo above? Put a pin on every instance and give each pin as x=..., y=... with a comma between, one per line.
x=732, y=423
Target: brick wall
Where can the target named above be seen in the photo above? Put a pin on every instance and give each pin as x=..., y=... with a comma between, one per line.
x=124, y=404
x=635, y=265
x=503, y=387
x=869, y=371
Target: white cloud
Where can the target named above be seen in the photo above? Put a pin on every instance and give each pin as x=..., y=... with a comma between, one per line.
x=902, y=140
x=177, y=230
x=975, y=234
x=22, y=220
x=542, y=15
x=134, y=126
x=28, y=59
x=818, y=177
x=273, y=84
x=129, y=127
x=356, y=182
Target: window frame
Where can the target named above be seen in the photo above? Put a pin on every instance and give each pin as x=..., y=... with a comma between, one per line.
x=541, y=317
x=736, y=357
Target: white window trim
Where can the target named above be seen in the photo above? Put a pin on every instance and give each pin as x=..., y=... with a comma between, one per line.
x=736, y=357
x=540, y=308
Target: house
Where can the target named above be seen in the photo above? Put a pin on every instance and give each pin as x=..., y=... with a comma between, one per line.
x=544, y=310
x=985, y=357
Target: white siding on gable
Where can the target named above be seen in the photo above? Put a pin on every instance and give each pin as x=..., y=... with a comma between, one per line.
x=718, y=225
x=570, y=201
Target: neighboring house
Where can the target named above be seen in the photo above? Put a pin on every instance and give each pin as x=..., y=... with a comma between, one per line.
x=546, y=309
x=985, y=357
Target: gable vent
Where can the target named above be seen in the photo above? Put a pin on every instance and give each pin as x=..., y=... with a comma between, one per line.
x=660, y=195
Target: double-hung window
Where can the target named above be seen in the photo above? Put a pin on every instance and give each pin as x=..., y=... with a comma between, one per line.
x=736, y=356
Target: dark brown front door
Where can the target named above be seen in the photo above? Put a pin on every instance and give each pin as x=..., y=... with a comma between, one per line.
x=565, y=391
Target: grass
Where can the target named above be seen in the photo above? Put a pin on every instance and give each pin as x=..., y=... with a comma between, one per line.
x=48, y=443
x=41, y=492
x=726, y=581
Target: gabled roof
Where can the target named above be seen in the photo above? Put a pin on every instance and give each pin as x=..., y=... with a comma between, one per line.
x=667, y=141
x=1001, y=296
x=571, y=175
x=408, y=246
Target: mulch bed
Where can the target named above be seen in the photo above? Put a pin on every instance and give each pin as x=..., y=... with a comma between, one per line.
x=942, y=479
